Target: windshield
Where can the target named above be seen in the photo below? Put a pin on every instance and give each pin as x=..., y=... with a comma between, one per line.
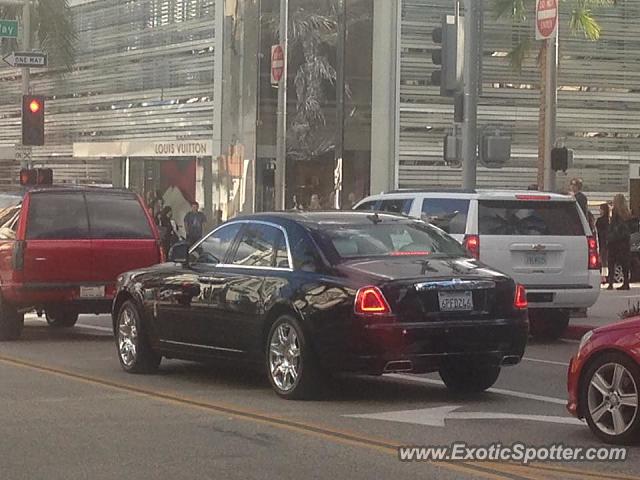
x=389, y=239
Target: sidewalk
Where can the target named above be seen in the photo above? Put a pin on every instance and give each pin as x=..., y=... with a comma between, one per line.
x=607, y=310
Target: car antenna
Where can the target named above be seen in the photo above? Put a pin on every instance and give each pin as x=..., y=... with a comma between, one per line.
x=375, y=218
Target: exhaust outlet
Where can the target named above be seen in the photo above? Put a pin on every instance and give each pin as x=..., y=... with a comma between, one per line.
x=398, y=366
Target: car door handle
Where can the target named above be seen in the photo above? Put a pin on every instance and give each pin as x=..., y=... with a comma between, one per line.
x=212, y=280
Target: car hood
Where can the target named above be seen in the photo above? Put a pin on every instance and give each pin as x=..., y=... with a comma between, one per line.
x=632, y=323
x=404, y=268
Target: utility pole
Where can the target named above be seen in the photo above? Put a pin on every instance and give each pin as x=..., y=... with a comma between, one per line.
x=551, y=104
x=473, y=59
x=281, y=134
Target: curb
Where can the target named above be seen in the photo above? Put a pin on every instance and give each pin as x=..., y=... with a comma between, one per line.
x=575, y=332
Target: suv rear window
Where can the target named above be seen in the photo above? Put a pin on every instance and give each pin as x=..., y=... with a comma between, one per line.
x=449, y=214
x=117, y=216
x=497, y=217
x=57, y=216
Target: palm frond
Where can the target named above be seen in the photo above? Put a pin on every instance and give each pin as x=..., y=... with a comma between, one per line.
x=519, y=53
x=516, y=10
x=582, y=20
x=56, y=31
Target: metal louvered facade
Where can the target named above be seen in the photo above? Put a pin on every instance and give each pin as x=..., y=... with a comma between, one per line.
x=598, y=101
x=144, y=70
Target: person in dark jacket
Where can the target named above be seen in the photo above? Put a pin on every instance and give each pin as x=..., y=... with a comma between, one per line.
x=168, y=229
x=602, y=229
x=619, y=241
x=194, y=223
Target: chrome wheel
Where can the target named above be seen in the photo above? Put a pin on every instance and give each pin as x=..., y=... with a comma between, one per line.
x=618, y=275
x=127, y=337
x=612, y=399
x=284, y=357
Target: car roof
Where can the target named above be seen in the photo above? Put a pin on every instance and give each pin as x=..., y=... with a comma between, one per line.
x=76, y=188
x=482, y=194
x=328, y=217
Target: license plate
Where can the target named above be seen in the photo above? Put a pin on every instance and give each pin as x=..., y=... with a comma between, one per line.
x=92, y=292
x=536, y=259
x=455, y=301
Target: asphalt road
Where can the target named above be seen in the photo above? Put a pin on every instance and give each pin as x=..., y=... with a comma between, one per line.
x=67, y=411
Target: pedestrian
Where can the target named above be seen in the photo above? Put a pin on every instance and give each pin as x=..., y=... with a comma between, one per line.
x=619, y=241
x=217, y=218
x=194, y=223
x=314, y=204
x=602, y=229
x=581, y=199
x=168, y=229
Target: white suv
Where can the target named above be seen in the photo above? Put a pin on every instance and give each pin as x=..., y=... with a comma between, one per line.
x=542, y=240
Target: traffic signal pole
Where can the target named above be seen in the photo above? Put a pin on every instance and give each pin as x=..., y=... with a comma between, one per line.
x=472, y=61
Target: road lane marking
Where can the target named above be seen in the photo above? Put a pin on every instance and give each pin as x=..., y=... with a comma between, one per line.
x=77, y=325
x=549, y=362
x=509, y=393
x=436, y=416
x=487, y=470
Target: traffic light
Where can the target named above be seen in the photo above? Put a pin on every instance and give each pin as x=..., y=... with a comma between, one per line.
x=561, y=159
x=36, y=176
x=33, y=120
x=450, y=57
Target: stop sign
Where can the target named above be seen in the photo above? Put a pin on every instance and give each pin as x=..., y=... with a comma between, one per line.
x=546, y=19
x=277, y=64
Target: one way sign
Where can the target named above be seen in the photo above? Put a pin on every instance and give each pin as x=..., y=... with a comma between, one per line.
x=26, y=59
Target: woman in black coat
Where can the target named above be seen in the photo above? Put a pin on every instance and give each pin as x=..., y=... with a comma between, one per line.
x=602, y=229
x=619, y=241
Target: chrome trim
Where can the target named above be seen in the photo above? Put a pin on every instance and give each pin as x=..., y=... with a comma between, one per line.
x=455, y=284
x=183, y=344
x=259, y=222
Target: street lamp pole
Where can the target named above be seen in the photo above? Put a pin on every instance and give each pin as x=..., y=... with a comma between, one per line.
x=281, y=134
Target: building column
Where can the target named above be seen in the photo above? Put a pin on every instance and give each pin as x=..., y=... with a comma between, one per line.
x=384, y=95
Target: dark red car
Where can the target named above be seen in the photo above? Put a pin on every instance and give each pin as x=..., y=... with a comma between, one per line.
x=604, y=381
x=62, y=248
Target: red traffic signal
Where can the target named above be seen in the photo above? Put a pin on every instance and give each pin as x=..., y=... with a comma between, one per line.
x=33, y=120
x=36, y=176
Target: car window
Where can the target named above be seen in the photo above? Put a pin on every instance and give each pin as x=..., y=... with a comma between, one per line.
x=10, y=208
x=449, y=214
x=498, y=217
x=370, y=205
x=389, y=239
x=214, y=248
x=258, y=245
x=117, y=216
x=57, y=216
x=396, y=205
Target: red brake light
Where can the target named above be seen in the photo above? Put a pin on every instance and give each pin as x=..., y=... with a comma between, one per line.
x=472, y=244
x=35, y=106
x=533, y=197
x=594, y=256
x=370, y=300
x=520, y=301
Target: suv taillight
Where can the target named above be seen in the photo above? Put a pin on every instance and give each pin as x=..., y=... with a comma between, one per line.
x=520, y=301
x=594, y=256
x=371, y=301
x=472, y=244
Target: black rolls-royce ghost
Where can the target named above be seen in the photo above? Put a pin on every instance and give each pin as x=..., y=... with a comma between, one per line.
x=309, y=294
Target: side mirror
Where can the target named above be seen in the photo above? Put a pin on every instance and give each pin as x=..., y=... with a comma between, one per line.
x=179, y=253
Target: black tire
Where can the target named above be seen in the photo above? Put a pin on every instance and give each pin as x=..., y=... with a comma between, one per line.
x=142, y=358
x=61, y=318
x=464, y=377
x=11, y=322
x=309, y=378
x=548, y=324
x=601, y=364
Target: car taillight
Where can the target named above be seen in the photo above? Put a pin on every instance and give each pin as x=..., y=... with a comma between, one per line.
x=371, y=301
x=594, y=256
x=472, y=244
x=520, y=301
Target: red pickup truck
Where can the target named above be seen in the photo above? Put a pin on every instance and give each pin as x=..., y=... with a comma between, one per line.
x=62, y=248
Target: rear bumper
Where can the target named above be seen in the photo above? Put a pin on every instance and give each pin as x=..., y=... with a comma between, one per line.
x=422, y=347
x=43, y=295
x=565, y=296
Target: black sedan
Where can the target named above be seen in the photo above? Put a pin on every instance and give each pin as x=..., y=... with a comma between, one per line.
x=310, y=294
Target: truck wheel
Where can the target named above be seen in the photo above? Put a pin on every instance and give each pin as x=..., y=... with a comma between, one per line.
x=11, y=322
x=463, y=377
x=61, y=318
x=548, y=324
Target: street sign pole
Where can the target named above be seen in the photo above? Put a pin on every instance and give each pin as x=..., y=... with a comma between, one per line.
x=473, y=57
x=551, y=103
x=281, y=134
